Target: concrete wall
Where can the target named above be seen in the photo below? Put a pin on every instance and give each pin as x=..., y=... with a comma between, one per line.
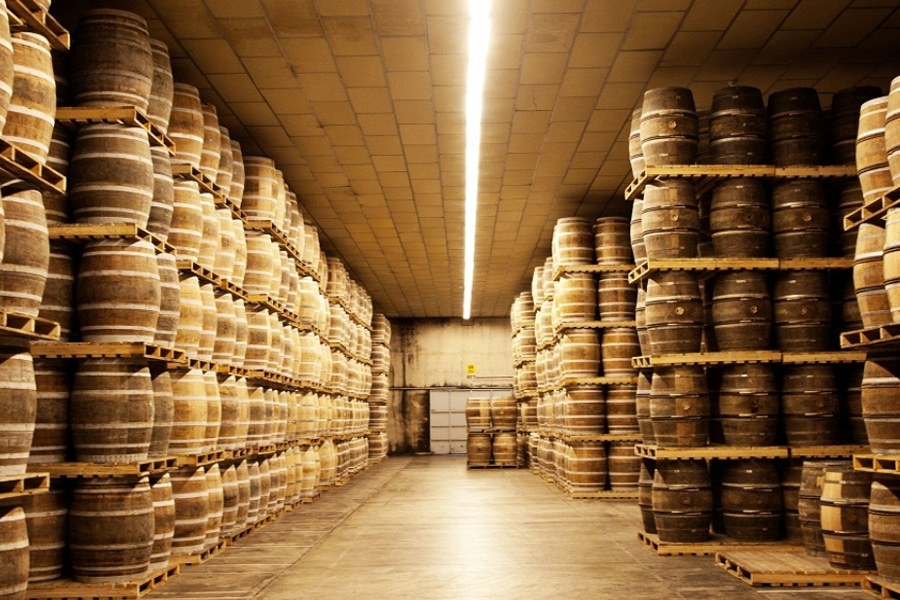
x=440, y=353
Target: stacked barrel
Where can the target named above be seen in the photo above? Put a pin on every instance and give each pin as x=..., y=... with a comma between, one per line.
x=380, y=393
x=573, y=341
x=743, y=402
x=491, y=432
x=255, y=368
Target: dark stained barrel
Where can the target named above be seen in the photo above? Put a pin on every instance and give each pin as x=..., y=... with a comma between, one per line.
x=612, y=245
x=682, y=500
x=739, y=218
x=843, y=512
x=879, y=391
x=162, y=87
x=749, y=493
x=801, y=218
x=669, y=129
x=738, y=129
x=673, y=312
x=741, y=311
x=13, y=552
x=746, y=410
x=53, y=380
x=844, y=121
x=162, y=204
x=163, y=522
x=670, y=220
x=802, y=311
x=478, y=448
x=810, y=405
x=46, y=517
x=796, y=127
x=884, y=526
x=680, y=406
x=645, y=495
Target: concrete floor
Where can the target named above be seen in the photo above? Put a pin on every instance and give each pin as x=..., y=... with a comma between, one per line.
x=426, y=528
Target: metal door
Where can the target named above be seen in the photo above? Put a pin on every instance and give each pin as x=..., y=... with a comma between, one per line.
x=448, y=417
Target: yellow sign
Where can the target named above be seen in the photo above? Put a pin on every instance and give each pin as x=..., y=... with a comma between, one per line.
x=470, y=370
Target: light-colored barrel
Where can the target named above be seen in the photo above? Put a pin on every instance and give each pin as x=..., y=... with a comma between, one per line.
x=868, y=275
x=212, y=142
x=46, y=517
x=26, y=253
x=163, y=522
x=186, y=124
x=162, y=204
x=186, y=227
x=190, y=414
x=170, y=300
x=162, y=87
x=13, y=552
x=32, y=107
x=259, y=197
x=191, y=495
x=53, y=380
x=18, y=405
x=6, y=66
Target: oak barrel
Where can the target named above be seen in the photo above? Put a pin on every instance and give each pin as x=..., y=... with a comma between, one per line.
x=32, y=108
x=18, y=408
x=682, y=500
x=843, y=511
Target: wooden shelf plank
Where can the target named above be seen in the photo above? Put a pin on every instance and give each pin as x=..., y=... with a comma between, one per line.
x=132, y=116
x=108, y=350
x=721, y=452
x=714, y=264
x=881, y=587
x=827, y=451
x=80, y=232
x=20, y=164
x=707, y=358
x=86, y=470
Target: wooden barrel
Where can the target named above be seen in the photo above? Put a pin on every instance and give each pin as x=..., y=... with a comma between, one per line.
x=209, y=237
x=746, y=411
x=58, y=299
x=586, y=466
x=796, y=127
x=811, y=480
x=503, y=448
x=213, y=412
x=738, y=129
x=680, y=406
x=261, y=253
x=259, y=198
x=642, y=406
x=868, y=275
x=635, y=152
x=110, y=529
x=670, y=220
x=238, y=175
x=891, y=262
x=50, y=442
x=621, y=409
x=844, y=516
x=478, y=448
x=669, y=128
x=26, y=252
x=741, y=311
x=576, y=298
x=585, y=410
x=111, y=60
x=191, y=412
x=791, y=471
x=879, y=390
x=682, y=502
x=226, y=325
x=802, y=311
x=503, y=412
x=230, y=501
x=191, y=495
x=46, y=519
x=810, y=405
x=225, y=170
x=14, y=552
x=186, y=124
x=118, y=291
x=624, y=467
x=170, y=300
x=32, y=107
x=579, y=353
x=852, y=376
x=212, y=142
x=573, y=242
x=18, y=407
x=190, y=315
x=844, y=121
x=636, y=231
x=850, y=199
x=617, y=347
x=163, y=414
x=801, y=218
x=256, y=498
x=616, y=297
x=242, y=471
x=6, y=67
x=111, y=175
x=162, y=203
x=215, y=505
x=645, y=495
x=186, y=226
x=163, y=522
x=673, y=312
x=612, y=243
x=240, y=334
x=226, y=251
x=640, y=319
x=872, y=164
x=884, y=526
x=739, y=218
x=750, y=499
x=111, y=410
x=162, y=87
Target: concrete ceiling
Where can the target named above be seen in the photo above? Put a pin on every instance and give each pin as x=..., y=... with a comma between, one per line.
x=360, y=103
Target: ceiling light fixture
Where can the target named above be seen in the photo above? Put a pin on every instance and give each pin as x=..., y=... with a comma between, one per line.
x=479, y=38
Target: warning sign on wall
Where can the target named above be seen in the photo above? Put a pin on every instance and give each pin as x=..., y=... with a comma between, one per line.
x=470, y=371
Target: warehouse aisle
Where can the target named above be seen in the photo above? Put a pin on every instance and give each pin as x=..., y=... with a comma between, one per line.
x=428, y=528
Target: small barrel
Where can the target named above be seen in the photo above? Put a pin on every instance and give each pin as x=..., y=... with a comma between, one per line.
x=868, y=276
x=616, y=297
x=802, y=311
x=617, y=347
x=118, y=291
x=53, y=380
x=18, y=406
x=884, y=526
x=872, y=164
x=738, y=128
x=14, y=552
x=159, y=219
x=739, y=218
x=585, y=410
x=186, y=124
x=812, y=478
x=670, y=220
x=621, y=409
x=796, y=127
x=746, y=411
x=801, y=218
x=163, y=522
x=749, y=494
x=673, y=312
x=191, y=495
x=111, y=61
x=110, y=530
x=645, y=495
x=741, y=311
x=572, y=242
x=669, y=128
x=682, y=500
x=46, y=518
x=612, y=244
x=26, y=253
x=680, y=406
x=844, y=516
x=478, y=414
x=879, y=391
x=576, y=298
x=162, y=87
x=810, y=405
x=844, y=121
x=579, y=353
x=32, y=107
x=623, y=466
x=111, y=410
x=478, y=448
x=503, y=413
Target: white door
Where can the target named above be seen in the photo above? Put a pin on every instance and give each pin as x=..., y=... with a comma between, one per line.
x=448, y=418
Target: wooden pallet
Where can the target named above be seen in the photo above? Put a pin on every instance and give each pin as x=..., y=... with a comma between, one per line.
x=207, y=275
x=197, y=559
x=66, y=589
x=201, y=459
x=108, y=350
x=876, y=463
x=737, y=357
x=601, y=495
x=21, y=165
x=131, y=116
x=832, y=451
x=16, y=486
x=76, y=469
x=881, y=335
x=873, y=210
x=764, y=568
x=281, y=238
x=722, y=452
x=711, y=265
x=881, y=587
x=715, y=544
x=491, y=466
x=28, y=327
x=561, y=270
x=192, y=173
x=35, y=18
x=82, y=232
